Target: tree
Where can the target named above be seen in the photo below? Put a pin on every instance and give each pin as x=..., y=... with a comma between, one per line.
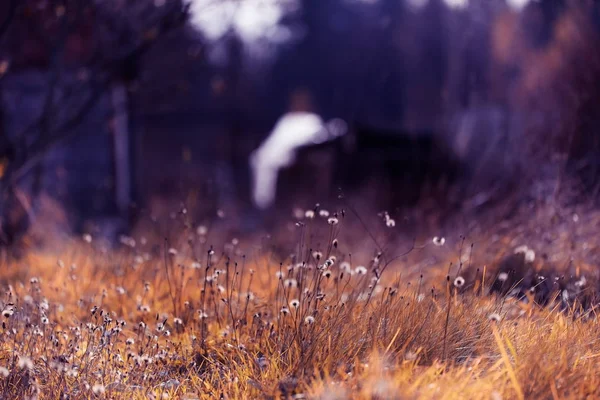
x=86, y=49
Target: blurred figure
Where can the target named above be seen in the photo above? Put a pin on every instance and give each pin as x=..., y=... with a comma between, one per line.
x=292, y=131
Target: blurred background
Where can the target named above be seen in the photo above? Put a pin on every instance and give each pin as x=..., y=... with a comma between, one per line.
x=112, y=111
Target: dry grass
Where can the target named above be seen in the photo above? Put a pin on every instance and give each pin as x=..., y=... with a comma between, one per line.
x=153, y=319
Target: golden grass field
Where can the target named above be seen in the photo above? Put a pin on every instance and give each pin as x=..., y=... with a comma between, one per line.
x=196, y=319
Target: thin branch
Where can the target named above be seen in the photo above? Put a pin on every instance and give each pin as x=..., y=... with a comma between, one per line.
x=64, y=132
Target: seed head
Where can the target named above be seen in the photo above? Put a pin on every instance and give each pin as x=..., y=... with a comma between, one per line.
x=345, y=266
x=495, y=317
x=295, y=303
x=25, y=362
x=459, y=281
x=290, y=283
x=360, y=270
x=439, y=241
x=309, y=320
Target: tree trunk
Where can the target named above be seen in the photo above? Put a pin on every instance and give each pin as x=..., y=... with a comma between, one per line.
x=122, y=159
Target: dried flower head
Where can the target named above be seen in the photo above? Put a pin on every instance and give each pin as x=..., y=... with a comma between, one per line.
x=345, y=266
x=195, y=265
x=295, y=303
x=309, y=320
x=495, y=317
x=8, y=312
x=459, y=281
x=332, y=221
x=290, y=283
x=25, y=363
x=310, y=214
x=439, y=241
x=360, y=270
x=323, y=213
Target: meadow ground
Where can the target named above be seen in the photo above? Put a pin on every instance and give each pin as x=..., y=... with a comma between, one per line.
x=351, y=309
